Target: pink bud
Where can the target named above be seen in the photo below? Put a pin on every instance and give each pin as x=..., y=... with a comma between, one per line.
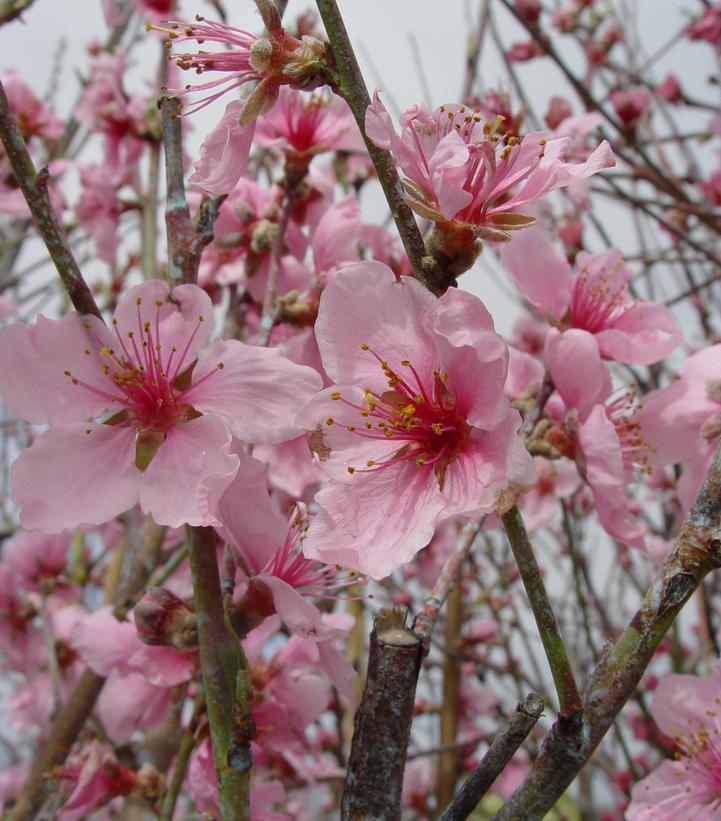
x=161, y=617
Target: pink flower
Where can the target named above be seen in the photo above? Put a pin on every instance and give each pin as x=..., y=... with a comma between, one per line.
x=164, y=405
x=529, y=10
x=272, y=61
x=630, y=104
x=557, y=479
x=558, y=110
x=99, y=207
x=594, y=299
x=417, y=407
x=683, y=421
x=304, y=125
x=202, y=785
x=524, y=51
x=708, y=27
x=92, y=778
x=458, y=168
x=688, y=788
x=271, y=552
x=670, y=89
x=33, y=118
x=224, y=153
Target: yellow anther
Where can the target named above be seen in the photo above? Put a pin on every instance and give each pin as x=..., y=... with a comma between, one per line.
x=420, y=461
x=329, y=420
x=350, y=428
x=369, y=425
x=370, y=463
x=351, y=470
x=436, y=428
x=220, y=366
x=87, y=352
x=67, y=373
x=405, y=362
x=138, y=301
x=364, y=413
x=364, y=346
x=335, y=395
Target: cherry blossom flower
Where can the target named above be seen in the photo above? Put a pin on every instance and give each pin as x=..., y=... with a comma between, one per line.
x=269, y=62
x=304, y=125
x=458, y=168
x=33, y=118
x=594, y=300
x=557, y=479
x=416, y=428
x=687, y=788
x=92, y=778
x=707, y=27
x=630, y=104
x=683, y=421
x=163, y=404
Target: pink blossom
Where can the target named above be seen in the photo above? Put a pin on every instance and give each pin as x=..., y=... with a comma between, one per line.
x=224, y=153
x=33, y=118
x=91, y=778
x=271, y=551
x=121, y=119
x=272, y=61
x=711, y=188
x=524, y=51
x=557, y=479
x=670, y=89
x=558, y=110
x=707, y=27
x=594, y=299
x=629, y=104
x=304, y=125
x=683, y=421
x=98, y=209
x=164, y=405
x=529, y=10
x=458, y=168
x=418, y=404
x=687, y=788
x=202, y=784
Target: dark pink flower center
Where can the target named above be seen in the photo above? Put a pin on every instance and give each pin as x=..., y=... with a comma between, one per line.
x=143, y=381
x=423, y=419
x=597, y=301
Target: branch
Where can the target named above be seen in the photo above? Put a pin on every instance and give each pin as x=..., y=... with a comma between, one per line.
x=567, y=749
x=383, y=721
x=499, y=754
x=34, y=188
x=354, y=91
x=186, y=237
x=568, y=697
x=219, y=664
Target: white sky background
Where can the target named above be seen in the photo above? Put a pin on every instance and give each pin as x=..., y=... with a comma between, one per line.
x=381, y=31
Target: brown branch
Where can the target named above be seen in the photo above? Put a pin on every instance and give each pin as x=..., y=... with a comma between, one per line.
x=383, y=721
x=353, y=89
x=451, y=700
x=567, y=748
x=499, y=754
x=186, y=237
x=34, y=188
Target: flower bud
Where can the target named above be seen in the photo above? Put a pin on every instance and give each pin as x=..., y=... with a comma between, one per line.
x=161, y=617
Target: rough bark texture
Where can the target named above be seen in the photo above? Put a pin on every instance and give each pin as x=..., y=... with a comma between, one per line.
x=569, y=746
x=499, y=754
x=383, y=722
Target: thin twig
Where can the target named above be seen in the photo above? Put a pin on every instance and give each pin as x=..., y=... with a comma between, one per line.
x=353, y=89
x=499, y=754
x=567, y=748
x=35, y=191
x=568, y=696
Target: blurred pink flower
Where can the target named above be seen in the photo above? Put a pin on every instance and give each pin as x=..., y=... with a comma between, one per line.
x=629, y=104
x=594, y=299
x=418, y=405
x=683, y=421
x=164, y=405
x=689, y=787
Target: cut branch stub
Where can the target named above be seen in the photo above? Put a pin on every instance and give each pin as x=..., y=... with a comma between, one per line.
x=383, y=721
